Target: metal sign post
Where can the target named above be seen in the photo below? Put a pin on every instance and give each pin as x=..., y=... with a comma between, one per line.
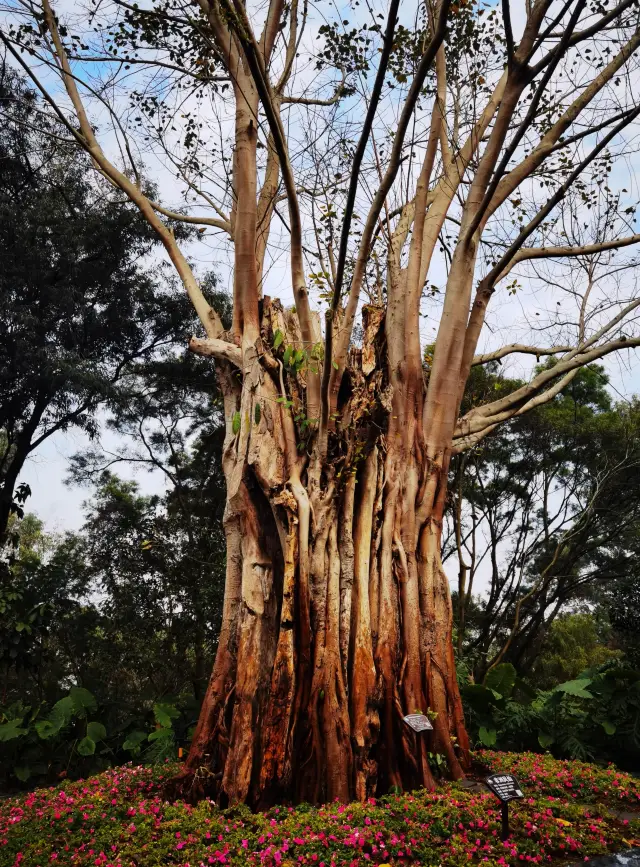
x=506, y=788
x=419, y=723
x=505, y=821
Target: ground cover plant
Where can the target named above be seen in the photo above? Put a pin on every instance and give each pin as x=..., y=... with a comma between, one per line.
x=571, y=780
x=120, y=818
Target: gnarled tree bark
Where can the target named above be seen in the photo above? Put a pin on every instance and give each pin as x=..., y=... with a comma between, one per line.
x=337, y=618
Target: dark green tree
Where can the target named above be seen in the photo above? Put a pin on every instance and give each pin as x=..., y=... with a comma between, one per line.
x=573, y=644
x=171, y=421
x=77, y=307
x=129, y=607
x=549, y=513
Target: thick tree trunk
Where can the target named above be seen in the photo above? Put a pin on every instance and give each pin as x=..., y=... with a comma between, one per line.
x=337, y=616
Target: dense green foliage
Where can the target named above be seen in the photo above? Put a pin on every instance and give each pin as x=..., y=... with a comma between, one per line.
x=595, y=716
x=129, y=609
x=94, y=334
x=70, y=739
x=77, y=307
x=573, y=644
x=120, y=818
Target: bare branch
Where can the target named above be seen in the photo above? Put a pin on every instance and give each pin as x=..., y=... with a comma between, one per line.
x=533, y=394
x=185, y=218
x=207, y=315
x=505, y=260
x=378, y=201
x=568, y=251
x=531, y=112
x=260, y=77
x=216, y=348
x=512, y=348
x=547, y=144
x=358, y=156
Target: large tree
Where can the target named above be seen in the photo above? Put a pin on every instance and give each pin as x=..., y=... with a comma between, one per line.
x=421, y=159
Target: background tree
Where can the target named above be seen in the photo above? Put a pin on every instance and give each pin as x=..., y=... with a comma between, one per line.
x=574, y=643
x=116, y=610
x=77, y=310
x=170, y=419
x=487, y=136
x=548, y=518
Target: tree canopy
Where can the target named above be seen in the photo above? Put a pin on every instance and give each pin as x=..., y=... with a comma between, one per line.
x=77, y=309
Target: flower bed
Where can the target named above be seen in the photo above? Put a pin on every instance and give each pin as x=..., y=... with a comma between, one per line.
x=573, y=780
x=118, y=819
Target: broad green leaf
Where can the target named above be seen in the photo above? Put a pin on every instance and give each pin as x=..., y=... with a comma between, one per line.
x=554, y=700
x=47, y=729
x=235, y=423
x=487, y=737
x=609, y=727
x=62, y=711
x=11, y=730
x=60, y=715
x=545, y=740
x=82, y=700
x=478, y=696
x=16, y=710
x=22, y=772
x=86, y=747
x=134, y=739
x=96, y=731
x=576, y=687
x=501, y=679
x=278, y=337
x=164, y=713
x=287, y=354
x=160, y=733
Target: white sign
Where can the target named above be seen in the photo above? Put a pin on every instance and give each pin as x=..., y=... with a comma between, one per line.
x=418, y=722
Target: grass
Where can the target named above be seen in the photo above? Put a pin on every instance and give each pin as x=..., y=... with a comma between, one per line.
x=119, y=819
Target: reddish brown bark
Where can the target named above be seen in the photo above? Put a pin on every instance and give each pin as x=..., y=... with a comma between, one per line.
x=337, y=618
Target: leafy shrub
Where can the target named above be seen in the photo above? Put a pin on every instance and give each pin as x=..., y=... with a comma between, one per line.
x=66, y=739
x=593, y=717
